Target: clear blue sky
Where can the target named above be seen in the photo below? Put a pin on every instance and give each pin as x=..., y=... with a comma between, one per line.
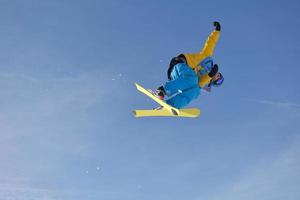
x=67, y=73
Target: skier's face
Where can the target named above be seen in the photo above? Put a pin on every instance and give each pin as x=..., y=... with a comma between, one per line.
x=216, y=77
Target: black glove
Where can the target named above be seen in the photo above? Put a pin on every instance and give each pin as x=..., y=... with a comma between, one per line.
x=217, y=25
x=214, y=70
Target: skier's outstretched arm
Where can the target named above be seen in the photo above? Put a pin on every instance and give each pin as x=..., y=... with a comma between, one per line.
x=212, y=40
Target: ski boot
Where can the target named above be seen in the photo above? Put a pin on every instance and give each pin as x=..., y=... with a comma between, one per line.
x=159, y=92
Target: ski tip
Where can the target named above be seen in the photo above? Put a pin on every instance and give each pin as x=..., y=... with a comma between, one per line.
x=137, y=85
x=134, y=113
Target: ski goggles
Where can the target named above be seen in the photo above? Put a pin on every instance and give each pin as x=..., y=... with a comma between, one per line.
x=219, y=81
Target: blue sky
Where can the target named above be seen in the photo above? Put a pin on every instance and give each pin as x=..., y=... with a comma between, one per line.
x=67, y=73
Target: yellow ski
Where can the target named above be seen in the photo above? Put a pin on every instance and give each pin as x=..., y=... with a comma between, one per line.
x=167, y=109
x=190, y=112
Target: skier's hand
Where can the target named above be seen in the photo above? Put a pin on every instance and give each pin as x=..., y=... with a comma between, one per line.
x=217, y=26
x=214, y=70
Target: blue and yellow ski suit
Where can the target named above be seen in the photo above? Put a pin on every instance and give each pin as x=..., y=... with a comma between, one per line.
x=187, y=79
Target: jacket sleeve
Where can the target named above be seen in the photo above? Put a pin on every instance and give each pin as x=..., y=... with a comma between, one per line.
x=210, y=43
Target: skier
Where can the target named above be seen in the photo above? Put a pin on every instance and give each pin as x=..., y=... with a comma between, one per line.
x=188, y=74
